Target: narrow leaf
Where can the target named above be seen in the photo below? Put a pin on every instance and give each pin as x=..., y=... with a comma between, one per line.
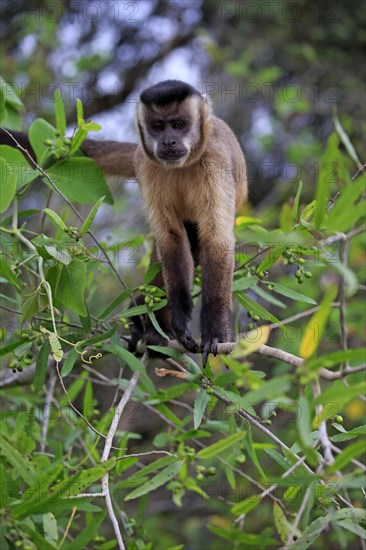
x=344, y=458
x=295, y=209
x=7, y=273
x=157, y=481
x=41, y=366
x=293, y=294
x=316, y=325
x=60, y=113
x=8, y=184
x=55, y=218
x=90, y=218
x=200, y=405
x=220, y=446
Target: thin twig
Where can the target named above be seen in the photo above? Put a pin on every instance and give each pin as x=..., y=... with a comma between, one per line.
x=107, y=449
x=46, y=411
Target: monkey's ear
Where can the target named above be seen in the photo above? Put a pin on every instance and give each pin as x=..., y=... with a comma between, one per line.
x=208, y=103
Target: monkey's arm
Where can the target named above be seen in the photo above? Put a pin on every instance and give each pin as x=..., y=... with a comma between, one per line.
x=113, y=157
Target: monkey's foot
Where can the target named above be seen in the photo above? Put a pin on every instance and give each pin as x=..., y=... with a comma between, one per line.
x=187, y=340
x=208, y=346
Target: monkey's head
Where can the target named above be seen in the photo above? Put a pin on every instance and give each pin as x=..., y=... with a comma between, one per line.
x=172, y=120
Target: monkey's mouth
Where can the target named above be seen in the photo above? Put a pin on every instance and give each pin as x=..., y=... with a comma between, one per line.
x=172, y=155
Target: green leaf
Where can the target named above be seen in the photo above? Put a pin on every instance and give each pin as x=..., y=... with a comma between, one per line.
x=50, y=528
x=39, y=131
x=220, y=446
x=316, y=325
x=344, y=458
x=268, y=297
x=71, y=287
x=245, y=506
x=273, y=254
x=68, y=487
x=37, y=539
x=132, y=362
x=41, y=366
x=311, y=533
x=284, y=528
x=339, y=218
x=244, y=283
x=60, y=113
x=200, y=405
x=157, y=481
x=327, y=177
x=78, y=139
x=7, y=273
x=21, y=465
x=304, y=430
x=346, y=141
x=16, y=165
x=257, y=309
x=90, y=218
x=140, y=310
x=55, y=218
x=334, y=398
x=295, y=209
x=152, y=271
x=346, y=436
x=335, y=358
x=69, y=362
x=116, y=302
x=289, y=293
x=7, y=185
x=88, y=533
x=79, y=112
x=80, y=180
x=269, y=390
x=156, y=325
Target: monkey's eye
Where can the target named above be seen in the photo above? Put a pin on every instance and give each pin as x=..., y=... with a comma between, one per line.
x=178, y=125
x=158, y=127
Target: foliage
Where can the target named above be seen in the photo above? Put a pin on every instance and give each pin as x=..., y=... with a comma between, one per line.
x=262, y=435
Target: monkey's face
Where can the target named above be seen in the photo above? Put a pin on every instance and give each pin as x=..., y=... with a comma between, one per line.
x=168, y=139
x=169, y=132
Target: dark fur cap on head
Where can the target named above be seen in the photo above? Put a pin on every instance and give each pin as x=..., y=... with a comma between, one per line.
x=167, y=92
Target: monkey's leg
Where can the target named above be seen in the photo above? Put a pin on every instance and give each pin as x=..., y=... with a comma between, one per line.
x=178, y=275
x=217, y=271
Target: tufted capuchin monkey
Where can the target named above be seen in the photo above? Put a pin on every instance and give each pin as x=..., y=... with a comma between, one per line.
x=192, y=176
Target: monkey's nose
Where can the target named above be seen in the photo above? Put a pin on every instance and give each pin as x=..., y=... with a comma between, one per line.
x=169, y=142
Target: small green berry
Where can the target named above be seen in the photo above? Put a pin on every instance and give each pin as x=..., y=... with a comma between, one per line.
x=250, y=326
x=240, y=459
x=301, y=260
x=339, y=419
x=255, y=318
x=270, y=287
x=142, y=288
x=298, y=273
x=48, y=142
x=199, y=477
x=211, y=471
x=308, y=274
x=291, y=260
